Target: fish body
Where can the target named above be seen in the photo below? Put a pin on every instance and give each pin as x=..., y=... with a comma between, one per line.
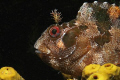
x=93, y=37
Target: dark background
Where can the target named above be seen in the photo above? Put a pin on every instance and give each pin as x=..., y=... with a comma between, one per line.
x=21, y=24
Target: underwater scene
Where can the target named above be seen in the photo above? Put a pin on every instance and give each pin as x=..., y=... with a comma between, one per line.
x=60, y=40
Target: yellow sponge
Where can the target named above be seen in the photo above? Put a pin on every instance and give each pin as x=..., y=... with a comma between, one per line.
x=105, y=72
x=98, y=76
x=109, y=69
x=90, y=69
x=8, y=73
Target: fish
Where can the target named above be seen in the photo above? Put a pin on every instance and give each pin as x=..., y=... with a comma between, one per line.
x=93, y=37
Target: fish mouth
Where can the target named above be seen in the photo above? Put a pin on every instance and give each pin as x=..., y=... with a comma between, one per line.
x=42, y=49
x=37, y=52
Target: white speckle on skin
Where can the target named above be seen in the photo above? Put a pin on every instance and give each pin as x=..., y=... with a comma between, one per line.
x=98, y=58
x=66, y=56
x=84, y=3
x=54, y=62
x=104, y=5
x=68, y=24
x=76, y=23
x=95, y=2
x=85, y=13
x=67, y=62
x=113, y=4
x=60, y=58
x=48, y=51
x=74, y=47
x=82, y=65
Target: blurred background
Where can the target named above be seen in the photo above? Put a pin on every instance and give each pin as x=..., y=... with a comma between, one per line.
x=21, y=24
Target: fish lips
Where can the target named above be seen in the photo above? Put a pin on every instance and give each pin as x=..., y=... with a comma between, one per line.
x=38, y=52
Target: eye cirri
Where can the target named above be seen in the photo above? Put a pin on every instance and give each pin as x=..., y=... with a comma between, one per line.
x=54, y=31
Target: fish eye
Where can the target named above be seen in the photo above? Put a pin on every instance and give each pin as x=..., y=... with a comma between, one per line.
x=54, y=31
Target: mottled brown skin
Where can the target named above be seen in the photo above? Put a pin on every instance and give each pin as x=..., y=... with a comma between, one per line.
x=92, y=38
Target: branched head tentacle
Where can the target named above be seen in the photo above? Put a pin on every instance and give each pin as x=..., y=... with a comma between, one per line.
x=56, y=16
